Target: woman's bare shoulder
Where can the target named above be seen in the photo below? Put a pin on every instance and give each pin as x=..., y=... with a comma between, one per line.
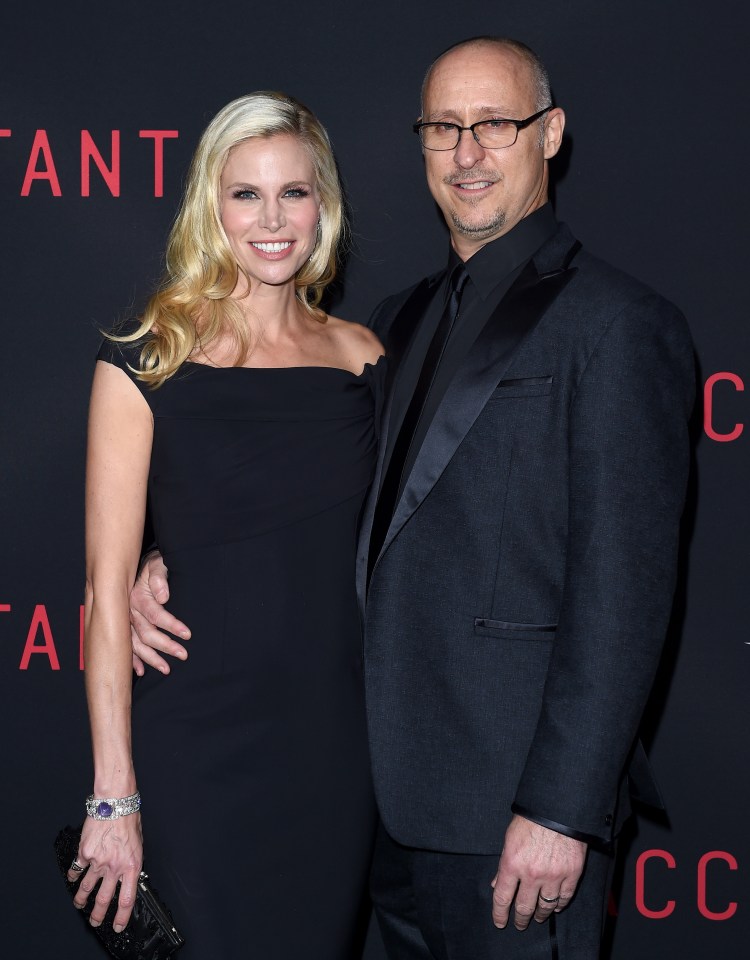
x=358, y=343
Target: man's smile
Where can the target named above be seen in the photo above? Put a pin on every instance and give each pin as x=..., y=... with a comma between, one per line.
x=474, y=185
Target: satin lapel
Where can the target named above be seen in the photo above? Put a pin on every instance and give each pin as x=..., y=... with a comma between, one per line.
x=397, y=341
x=516, y=316
x=402, y=329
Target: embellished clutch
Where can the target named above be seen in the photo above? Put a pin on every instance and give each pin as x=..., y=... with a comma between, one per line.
x=150, y=933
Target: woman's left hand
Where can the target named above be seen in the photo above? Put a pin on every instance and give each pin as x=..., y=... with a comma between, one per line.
x=111, y=851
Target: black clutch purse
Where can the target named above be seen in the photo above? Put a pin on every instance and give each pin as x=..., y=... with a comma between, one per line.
x=150, y=933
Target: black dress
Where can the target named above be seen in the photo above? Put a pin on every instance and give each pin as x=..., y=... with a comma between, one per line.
x=251, y=756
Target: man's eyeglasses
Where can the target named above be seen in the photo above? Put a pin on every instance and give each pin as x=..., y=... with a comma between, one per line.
x=492, y=134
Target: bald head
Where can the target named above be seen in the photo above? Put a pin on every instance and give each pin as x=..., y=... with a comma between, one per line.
x=538, y=76
x=482, y=190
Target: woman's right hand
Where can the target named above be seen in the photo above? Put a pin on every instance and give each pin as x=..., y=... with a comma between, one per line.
x=112, y=850
x=150, y=592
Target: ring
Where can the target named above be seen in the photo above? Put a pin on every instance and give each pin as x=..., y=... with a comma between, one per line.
x=76, y=866
x=549, y=899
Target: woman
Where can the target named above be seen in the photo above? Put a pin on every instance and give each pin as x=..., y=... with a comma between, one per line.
x=247, y=417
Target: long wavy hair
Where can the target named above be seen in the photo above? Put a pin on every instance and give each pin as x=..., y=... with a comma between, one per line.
x=192, y=305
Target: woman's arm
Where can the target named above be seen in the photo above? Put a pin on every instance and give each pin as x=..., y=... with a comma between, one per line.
x=119, y=449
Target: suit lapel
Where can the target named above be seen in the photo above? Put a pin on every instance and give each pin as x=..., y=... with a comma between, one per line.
x=398, y=339
x=542, y=280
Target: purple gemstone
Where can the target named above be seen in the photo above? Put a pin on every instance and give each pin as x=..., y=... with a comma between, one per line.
x=104, y=809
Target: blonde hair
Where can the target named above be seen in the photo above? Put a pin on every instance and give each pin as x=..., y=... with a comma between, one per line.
x=192, y=304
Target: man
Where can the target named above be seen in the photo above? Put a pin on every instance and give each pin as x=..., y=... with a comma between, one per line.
x=519, y=559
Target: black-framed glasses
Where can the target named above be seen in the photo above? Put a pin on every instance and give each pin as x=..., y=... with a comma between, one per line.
x=493, y=134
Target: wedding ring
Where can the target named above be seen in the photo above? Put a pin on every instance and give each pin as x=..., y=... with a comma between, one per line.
x=76, y=866
x=549, y=899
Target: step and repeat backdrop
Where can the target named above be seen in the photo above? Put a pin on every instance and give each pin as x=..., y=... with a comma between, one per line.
x=100, y=108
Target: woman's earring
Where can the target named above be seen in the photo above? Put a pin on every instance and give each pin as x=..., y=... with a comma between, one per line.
x=317, y=240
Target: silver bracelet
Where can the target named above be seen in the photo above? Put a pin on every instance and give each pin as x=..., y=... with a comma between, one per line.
x=112, y=807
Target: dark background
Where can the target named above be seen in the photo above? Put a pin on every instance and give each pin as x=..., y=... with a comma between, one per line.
x=653, y=179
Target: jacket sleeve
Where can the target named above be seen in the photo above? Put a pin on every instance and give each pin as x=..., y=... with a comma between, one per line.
x=629, y=459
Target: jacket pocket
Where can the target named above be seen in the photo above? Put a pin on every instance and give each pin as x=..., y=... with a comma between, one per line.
x=523, y=387
x=514, y=631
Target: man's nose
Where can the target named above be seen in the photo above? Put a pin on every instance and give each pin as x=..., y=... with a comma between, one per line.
x=468, y=151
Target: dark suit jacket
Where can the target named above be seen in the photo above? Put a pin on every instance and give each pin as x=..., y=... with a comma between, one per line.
x=518, y=607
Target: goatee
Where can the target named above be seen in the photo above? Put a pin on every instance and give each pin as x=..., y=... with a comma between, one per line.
x=482, y=229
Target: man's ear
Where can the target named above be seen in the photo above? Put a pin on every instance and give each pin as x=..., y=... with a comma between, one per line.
x=553, y=131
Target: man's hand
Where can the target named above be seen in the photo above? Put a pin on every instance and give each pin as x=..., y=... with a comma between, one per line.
x=538, y=867
x=147, y=613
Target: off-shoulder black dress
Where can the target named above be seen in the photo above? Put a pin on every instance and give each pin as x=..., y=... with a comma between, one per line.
x=251, y=756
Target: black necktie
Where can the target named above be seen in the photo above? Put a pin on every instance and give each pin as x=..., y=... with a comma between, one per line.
x=393, y=480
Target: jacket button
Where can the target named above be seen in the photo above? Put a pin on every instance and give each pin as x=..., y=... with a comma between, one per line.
x=608, y=819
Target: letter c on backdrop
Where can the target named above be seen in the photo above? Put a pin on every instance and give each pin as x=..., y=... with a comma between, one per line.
x=640, y=883
x=702, y=905
x=708, y=407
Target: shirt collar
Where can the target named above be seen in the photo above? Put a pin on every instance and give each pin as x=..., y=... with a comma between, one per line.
x=496, y=260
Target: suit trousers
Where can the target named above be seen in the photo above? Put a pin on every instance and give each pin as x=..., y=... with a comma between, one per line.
x=438, y=906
